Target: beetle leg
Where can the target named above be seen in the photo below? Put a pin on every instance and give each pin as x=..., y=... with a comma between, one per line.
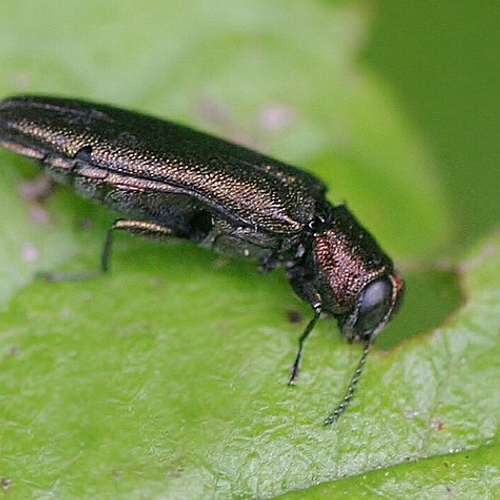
x=270, y=262
x=141, y=228
x=302, y=339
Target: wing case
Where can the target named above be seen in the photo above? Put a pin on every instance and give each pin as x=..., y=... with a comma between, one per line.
x=237, y=183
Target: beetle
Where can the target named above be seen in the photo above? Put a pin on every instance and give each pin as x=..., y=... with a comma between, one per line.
x=168, y=180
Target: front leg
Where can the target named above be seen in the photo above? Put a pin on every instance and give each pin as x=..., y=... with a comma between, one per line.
x=307, y=292
x=302, y=339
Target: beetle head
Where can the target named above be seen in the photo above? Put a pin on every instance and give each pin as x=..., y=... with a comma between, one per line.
x=354, y=277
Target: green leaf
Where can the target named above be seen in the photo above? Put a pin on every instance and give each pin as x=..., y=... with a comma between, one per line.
x=123, y=383
x=466, y=474
x=445, y=437
x=167, y=377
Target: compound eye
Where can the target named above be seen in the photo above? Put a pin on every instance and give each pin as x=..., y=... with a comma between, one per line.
x=375, y=306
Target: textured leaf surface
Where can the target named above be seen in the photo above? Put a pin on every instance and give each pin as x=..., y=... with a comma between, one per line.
x=167, y=378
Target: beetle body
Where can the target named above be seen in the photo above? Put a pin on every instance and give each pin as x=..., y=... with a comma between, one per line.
x=169, y=180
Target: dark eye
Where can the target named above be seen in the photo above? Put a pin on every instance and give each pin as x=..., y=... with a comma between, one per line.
x=373, y=310
x=375, y=302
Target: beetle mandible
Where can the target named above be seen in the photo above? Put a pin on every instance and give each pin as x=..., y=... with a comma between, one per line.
x=172, y=181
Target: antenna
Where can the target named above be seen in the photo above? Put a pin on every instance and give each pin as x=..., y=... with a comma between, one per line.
x=352, y=386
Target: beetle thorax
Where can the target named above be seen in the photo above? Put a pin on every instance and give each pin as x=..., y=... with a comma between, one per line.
x=347, y=258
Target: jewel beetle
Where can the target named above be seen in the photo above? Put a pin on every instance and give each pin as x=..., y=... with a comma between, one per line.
x=167, y=180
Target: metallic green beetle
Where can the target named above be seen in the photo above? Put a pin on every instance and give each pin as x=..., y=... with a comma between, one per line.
x=171, y=181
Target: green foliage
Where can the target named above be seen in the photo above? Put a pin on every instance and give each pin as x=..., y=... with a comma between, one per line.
x=167, y=377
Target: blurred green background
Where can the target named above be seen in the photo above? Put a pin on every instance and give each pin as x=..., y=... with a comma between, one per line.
x=442, y=61
x=167, y=378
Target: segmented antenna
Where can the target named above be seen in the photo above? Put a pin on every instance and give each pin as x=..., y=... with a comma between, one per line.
x=352, y=386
